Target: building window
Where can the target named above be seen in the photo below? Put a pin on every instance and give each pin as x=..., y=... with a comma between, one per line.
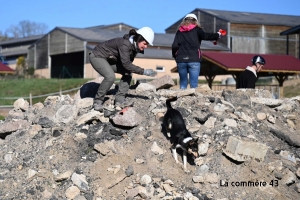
x=160, y=69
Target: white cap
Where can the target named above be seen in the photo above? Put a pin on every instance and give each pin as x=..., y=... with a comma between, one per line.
x=147, y=34
x=191, y=15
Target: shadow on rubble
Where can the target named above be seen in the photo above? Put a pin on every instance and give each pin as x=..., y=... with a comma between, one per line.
x=89, y=90
x=137, y=96
x=164, y=131
x=232, y=160
x=120, y=126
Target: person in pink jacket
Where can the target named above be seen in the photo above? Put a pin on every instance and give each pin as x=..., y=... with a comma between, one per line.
x=186, y=49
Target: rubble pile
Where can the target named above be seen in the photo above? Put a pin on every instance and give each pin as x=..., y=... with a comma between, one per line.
x=63, y=149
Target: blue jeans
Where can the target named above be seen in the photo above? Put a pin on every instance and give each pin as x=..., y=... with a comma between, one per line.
x=191, y=68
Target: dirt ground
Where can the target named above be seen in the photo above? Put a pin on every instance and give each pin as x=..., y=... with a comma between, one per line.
x=4, y=111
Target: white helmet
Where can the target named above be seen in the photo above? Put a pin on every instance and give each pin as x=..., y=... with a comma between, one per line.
x=191, y=15
x=147, y=34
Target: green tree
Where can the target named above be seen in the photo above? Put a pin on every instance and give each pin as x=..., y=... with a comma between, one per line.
x=30, y=71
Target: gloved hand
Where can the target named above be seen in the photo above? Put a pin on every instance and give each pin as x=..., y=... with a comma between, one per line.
x=150, y=72
x=222, y=32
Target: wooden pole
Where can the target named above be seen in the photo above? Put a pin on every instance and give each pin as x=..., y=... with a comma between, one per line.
x=30, y=99
x=281, y=78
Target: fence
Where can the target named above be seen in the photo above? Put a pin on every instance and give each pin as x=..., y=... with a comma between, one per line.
x=30, y=97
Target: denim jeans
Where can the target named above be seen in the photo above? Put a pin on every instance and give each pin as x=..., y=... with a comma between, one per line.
x=191, y=68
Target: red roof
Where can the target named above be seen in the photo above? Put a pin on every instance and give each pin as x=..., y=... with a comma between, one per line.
x=5, y=68
x=239, y=61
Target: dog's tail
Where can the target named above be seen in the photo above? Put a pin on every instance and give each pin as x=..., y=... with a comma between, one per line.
x=169, y=100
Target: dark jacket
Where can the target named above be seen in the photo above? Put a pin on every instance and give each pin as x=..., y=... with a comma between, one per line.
x=186, y=44
x=119, y=50
x=246, y=79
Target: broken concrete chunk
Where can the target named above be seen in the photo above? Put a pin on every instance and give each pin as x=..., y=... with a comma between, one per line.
x=127, y=117
x=176, y=92
x=243, y=150
x=63, y=176
x=21, y=104
x=80, y=181
x=163, y=82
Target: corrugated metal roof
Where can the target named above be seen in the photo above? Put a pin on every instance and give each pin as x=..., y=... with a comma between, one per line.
x=5, y=68
x=253, y=18
x=19, y=52
x=247, y=18
x=90, y=35
x=19, y=40
x=109, y=26
x=239, y=61
x=293, y=30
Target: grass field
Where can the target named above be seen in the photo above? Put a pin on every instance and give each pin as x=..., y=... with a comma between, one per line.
x=23, y=88
x=291, y=90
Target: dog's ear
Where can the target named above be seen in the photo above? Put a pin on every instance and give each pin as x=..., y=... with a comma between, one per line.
x=193, y=142
x=197, y=140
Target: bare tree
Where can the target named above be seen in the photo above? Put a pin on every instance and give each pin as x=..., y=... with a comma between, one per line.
x=3, y=37
x=26, y=28
x=13, y=31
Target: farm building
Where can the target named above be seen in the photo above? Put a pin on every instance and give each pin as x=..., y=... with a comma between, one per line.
x=10, y=50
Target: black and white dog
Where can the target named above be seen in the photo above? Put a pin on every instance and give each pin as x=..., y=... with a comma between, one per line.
x=174, y=126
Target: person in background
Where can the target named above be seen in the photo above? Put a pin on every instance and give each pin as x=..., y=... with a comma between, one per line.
x=186, y=49
x=116, y=56
x=248, y=78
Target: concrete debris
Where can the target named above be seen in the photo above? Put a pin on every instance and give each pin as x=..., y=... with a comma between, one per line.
x=243, y=150
x=63, y=149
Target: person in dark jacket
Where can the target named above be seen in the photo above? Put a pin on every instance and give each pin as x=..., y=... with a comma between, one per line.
x=116, y=56
x=247, y=78
x=186, y=49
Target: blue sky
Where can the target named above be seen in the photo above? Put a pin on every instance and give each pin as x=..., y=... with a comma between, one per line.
x=157, y=14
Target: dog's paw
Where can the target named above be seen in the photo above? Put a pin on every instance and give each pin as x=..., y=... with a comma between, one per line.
x=187, y=171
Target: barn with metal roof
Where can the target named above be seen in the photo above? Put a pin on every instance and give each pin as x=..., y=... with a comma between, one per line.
x=10, y=50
